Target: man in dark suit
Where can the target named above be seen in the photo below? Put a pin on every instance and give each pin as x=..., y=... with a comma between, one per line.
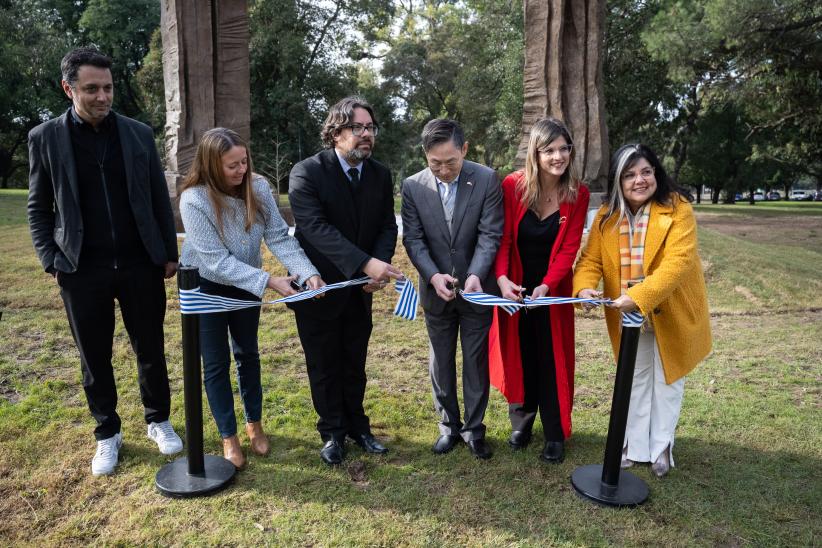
x=452, y=225
x=343, y=205
x=102, y=225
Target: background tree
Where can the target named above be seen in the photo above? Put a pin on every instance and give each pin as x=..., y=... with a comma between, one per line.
x=33, y=39
x=457, y=60
x=123, y=31
x=763, y=57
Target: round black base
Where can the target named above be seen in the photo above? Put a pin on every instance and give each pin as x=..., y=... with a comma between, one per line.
x=173, y=479
x=631, y=491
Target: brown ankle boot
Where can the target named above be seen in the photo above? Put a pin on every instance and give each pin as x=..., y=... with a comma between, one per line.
x=233, y=452
x=259, y=441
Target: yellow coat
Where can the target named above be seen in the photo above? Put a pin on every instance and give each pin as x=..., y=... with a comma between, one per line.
x=673, y=293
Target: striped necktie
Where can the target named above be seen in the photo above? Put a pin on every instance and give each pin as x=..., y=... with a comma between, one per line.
x=448, y=198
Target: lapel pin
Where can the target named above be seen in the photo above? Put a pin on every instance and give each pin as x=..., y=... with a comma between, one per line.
x=562, y=219
x=469, y=183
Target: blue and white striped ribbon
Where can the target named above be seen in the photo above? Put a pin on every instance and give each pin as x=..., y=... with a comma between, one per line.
x=512, y=307
x=632, y=319
x=193, y=301
x=407, y=301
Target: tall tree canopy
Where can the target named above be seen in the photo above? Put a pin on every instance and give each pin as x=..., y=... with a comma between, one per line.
x=728, y=91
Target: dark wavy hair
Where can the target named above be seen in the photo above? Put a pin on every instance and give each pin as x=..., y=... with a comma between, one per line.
x=342, y=114
x=76, y=58
x=625, y=158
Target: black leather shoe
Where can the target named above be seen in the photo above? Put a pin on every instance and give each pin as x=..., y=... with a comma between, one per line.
x=519, y=439
x=445, y=443
x=553, y=452
x=333, y=452
x=480, y=449
x=370, y=444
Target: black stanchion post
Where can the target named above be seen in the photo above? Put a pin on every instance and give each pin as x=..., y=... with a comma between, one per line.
x=607, y=484
x=189, y=278
x=195, y=474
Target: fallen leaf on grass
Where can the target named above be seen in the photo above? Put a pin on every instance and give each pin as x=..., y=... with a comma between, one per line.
x=356, y=470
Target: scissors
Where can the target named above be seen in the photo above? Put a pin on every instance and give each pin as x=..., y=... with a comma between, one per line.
x=453, y=286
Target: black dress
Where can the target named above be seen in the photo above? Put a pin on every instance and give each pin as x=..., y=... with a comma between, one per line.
x=534, y=242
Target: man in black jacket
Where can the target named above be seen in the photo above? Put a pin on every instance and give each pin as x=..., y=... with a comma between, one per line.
x=343, y=205
x=102, y=225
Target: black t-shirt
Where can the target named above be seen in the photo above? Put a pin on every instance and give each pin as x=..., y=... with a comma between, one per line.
x=110, y=235
x=534, y=242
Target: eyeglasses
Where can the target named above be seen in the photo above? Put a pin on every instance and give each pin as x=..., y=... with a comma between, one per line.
x=633, y=176
x=564, y=150
x=358, y=129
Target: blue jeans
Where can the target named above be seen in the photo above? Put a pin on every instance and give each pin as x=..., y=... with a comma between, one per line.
x=214, y=335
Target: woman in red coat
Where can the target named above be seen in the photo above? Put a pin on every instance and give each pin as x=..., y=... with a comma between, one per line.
x=532, y=352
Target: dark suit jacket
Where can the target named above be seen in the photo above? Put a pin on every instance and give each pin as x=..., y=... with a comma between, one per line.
x=53, y=209
x=337, y=238
x=471, y=245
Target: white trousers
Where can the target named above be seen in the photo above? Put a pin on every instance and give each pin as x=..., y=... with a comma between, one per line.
x=654, y=408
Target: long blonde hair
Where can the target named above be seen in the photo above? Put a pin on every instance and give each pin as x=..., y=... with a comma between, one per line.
x=207, y=170
x=544, y=132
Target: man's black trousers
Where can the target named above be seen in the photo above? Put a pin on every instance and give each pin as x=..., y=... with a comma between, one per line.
x=335, y=351
x=89, y=295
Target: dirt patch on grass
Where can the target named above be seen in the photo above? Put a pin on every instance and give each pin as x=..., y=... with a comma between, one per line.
x=799, y=231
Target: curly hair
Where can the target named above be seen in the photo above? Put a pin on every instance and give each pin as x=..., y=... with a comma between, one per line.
x=340, y=115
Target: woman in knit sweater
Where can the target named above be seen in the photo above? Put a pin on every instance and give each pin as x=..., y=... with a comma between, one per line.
x=227, y=212
x=643, y=245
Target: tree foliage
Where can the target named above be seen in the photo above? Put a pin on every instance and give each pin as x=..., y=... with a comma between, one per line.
x=34, y=36
x=758, y=58
x=727, y=91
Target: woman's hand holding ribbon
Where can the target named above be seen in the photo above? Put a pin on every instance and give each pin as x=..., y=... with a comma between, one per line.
x=589, y=294
x=282, y=284
x=509, y=289
x=539, y=291
x=623, y=303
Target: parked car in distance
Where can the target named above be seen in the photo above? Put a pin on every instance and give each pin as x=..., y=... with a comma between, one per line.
x=798, y=195
x=774, y=195
x=759, y=196
x=817, y=196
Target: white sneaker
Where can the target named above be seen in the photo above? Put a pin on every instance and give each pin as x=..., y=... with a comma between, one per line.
x=166, y=438
x=105, y=459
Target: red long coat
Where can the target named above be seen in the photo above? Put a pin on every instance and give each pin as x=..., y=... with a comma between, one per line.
x=504, y=357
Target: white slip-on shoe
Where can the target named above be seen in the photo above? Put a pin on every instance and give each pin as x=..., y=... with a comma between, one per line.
x=105, y=459
x=166, y=438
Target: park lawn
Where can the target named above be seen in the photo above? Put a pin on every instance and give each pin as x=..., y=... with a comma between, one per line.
x=748, y=448
x=766, y=208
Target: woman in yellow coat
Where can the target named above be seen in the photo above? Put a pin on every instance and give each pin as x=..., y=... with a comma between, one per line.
x=643, y=245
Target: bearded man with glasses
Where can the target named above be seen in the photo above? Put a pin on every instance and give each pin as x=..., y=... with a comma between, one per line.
x=343, y=205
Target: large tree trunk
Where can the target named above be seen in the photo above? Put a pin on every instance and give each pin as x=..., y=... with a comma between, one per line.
x=563, y=78
x=206, y=74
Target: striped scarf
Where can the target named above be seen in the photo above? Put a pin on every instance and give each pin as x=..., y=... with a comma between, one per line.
x=632, y=248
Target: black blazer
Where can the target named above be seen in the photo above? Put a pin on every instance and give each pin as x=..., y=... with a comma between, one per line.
x=337, y=239
x=53, y=207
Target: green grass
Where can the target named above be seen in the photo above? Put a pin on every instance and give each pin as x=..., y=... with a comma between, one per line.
x=775, y=208
x=748, y=448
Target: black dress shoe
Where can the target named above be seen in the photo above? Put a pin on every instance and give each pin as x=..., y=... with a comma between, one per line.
x=553, y=452
x=370, y=444
x=445, y=443
x=519, y=439
x=333, y=452
x=480, y=449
